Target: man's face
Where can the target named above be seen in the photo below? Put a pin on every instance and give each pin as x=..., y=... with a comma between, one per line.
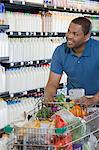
x=75, y=36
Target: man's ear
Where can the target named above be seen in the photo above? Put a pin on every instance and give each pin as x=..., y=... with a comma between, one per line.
x=87, y=37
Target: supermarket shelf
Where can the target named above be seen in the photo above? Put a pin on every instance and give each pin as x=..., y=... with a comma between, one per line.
x=95, y=33
x=13, y=5
x=4, y=94
x=16, y=6
x=35, y=63
x=34, y=93
x=3, y=59
x=14, y=34
x=3, y=28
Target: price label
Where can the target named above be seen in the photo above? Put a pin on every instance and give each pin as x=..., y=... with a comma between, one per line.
x=19, y=33
x=25, y=93
x=34, y=33
x=94, y=33
x=46, y=33
x=41, y=33
x=27, y=33
x=56, y=33
x=38, y=90
x=11, y=1
x=23, y=2
x=11, y=64
x=31, y=62
x=55, y=7
x=11, y=95
x=22, y=63
x=75, y=9
x=79, y=10
x=37, y=61
x=45, y=5
x=11, y=33
x=71, y=9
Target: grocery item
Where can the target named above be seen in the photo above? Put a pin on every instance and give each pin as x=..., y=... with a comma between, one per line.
x=78, y=111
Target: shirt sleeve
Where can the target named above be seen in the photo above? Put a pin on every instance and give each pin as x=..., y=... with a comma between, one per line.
x=56, y=63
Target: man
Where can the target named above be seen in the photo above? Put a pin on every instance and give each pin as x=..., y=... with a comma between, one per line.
x=79, y=59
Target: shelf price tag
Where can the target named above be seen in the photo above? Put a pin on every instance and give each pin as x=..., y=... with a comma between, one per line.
x=19, y=33
x=41, y=33
x=23, y=2
x=11, y=33
x=11, y=64
x=37, y=61
x=27, y=33
x=45, y=5
x=38, y=90
x=54, y=7
x=31, y=62
x=11, y=1
x=71, y=9
x=56, y=33
x=75, y=9
x=25, y=93
x=11, y=95
x=94, y=33
x=34, y=33
x=46, y=33
x=22, y=63
x=79, y=10
x=87, y=10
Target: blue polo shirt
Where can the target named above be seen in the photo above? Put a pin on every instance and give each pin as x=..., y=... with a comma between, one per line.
x=83, y=71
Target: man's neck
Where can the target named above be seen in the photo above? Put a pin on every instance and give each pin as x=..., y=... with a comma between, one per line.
x=78, y=51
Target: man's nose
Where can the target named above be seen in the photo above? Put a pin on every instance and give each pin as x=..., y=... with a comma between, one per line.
x=70, y=35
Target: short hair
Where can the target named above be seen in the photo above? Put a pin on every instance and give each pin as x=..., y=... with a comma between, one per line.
x=85, y=23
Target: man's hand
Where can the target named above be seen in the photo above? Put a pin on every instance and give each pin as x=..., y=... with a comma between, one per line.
x=85, y=101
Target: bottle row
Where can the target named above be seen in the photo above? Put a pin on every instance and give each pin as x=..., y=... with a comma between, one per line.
x=26, y=49
x=22, y=79
x=50, y=21
x=13, y=111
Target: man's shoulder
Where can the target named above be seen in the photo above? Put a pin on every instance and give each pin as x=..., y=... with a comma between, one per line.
x=94, y=42
x=62, y=48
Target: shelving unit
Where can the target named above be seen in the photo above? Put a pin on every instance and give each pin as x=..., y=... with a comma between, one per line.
x=3, y=28
x=31, y=7
x=26, y=7
x=37, y=63
x=18, y=6
x=34, y=34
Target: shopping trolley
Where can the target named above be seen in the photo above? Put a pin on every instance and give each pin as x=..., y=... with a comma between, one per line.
x=75, y=136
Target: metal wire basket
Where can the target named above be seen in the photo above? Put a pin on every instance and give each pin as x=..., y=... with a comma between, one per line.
x=30, y=138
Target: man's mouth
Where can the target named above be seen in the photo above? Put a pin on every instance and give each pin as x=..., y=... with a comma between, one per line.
x=69, y=42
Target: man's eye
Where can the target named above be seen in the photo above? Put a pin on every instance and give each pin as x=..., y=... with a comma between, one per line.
x=76, y=34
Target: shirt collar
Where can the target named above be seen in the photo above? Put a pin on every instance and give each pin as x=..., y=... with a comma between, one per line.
x=87, y=50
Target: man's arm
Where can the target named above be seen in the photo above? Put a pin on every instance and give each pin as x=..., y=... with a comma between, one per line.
x=52, y=85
